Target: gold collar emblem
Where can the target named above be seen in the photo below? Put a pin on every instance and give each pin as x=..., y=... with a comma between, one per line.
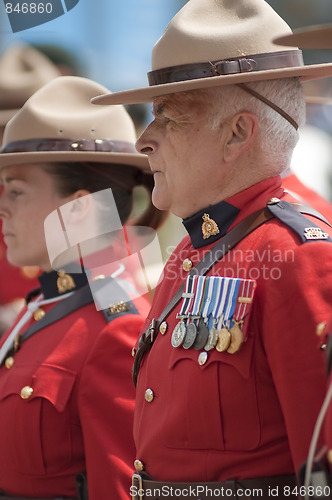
x=209, y=227
x=65, y=282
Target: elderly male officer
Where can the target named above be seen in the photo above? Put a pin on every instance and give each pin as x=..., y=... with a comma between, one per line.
x=229, y=374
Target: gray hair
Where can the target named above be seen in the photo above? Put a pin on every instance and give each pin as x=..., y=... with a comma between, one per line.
x=278, y=137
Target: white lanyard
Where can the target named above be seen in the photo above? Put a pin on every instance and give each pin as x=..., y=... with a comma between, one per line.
x=31, y=308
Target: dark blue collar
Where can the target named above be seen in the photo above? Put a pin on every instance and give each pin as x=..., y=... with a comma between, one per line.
x=210, y=224
x=54, y=283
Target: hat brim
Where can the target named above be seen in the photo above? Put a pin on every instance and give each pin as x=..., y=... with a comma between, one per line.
x=6, y=115
x=313, y=37
x=323, y=101
x=135, y=160
x=147, y=94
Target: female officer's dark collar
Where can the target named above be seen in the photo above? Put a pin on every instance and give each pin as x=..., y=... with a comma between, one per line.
x=58, y=283
x=210, y=224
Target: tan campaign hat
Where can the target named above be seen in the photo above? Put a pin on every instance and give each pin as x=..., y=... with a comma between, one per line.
x=219, y=42
x=23, y=70
x=59, y=123
x=311, y=37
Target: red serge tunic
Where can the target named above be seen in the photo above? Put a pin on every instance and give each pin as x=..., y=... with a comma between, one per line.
x=66, y=403
x=248, y=414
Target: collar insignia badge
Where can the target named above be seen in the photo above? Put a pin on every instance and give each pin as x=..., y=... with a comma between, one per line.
x=209, y=227
x=65, y=282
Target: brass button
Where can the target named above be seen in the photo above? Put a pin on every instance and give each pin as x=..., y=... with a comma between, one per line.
x=163, y=327
x=329, y=456
x=39, y=314
x=26, y=392
x=202, y=358
x=149, y=395
x=273, y=201
x=138, y=465
x=187, y=265
x=320, y=328
x=9, y=362
x=99, y=277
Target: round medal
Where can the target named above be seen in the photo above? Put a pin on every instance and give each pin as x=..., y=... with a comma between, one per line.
x=202, y=336
x=236, y=339
x=190, y=336
x=178, y=334
x=224, y=338
x=212, y=339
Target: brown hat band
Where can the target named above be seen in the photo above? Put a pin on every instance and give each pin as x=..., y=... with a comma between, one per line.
x=247, y=64
x=34, y=145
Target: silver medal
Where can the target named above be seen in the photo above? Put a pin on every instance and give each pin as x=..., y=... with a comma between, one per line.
x=190, y=336
x=212, y=339
x=178, y=334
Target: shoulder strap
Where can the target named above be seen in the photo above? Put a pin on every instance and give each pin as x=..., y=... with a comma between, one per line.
x=218, y=251
x=289, y=215
x=82, y=297
x=305, y=209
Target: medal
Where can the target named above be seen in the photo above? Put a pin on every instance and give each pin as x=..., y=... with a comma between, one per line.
x=190, y=336
x=180, y=330
x=224, y=335
x=224, y=338
x=202, y=336
x=178, y=334
x=203, y=296
x=236, y=338
x=212, y=339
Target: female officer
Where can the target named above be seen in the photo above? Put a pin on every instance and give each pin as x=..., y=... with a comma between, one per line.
x=66, y=395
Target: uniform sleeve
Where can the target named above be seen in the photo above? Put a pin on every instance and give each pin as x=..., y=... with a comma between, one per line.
x=106, y=404
x=292, y=305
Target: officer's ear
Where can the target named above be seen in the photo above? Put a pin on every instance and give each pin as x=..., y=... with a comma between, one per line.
x=80, y=206
x=242, y=133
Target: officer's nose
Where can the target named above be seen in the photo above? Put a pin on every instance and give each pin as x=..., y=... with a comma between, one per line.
x=146, y=144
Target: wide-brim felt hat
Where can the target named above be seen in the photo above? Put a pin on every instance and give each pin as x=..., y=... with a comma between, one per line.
x=23, y=70
x=210, y=43
x=59, y=124
x=311, y=37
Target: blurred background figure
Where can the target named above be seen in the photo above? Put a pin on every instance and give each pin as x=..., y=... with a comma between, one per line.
x=310, y=177
x=317, y=469
x=23, y=70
